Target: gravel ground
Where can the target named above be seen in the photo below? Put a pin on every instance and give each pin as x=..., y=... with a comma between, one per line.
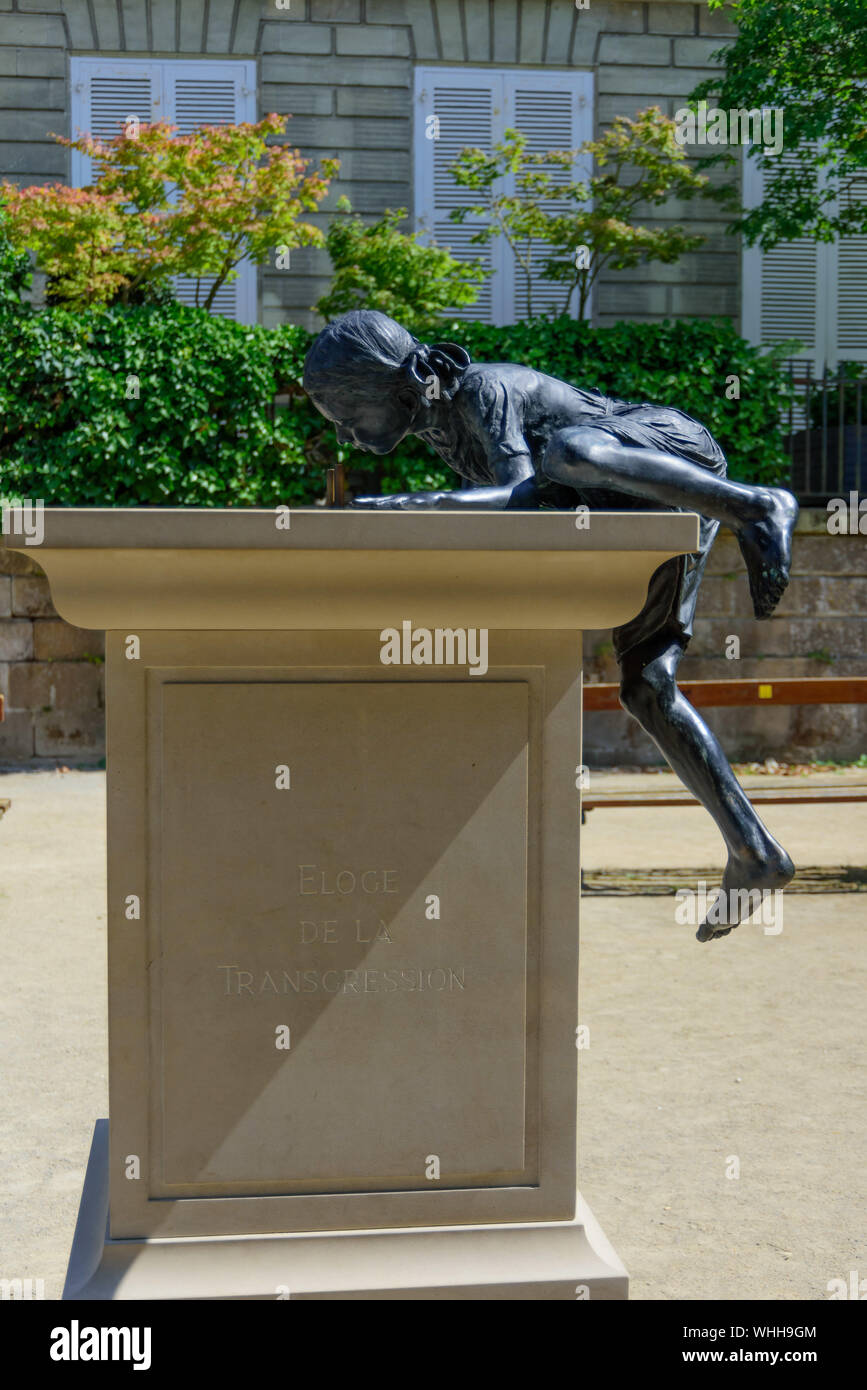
x=749, y=1048
x=742, y=1056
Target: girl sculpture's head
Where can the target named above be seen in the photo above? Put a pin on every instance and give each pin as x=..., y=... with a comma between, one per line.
x=373, y=379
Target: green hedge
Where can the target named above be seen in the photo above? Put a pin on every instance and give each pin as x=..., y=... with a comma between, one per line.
x=199, y=431
x=202, y=431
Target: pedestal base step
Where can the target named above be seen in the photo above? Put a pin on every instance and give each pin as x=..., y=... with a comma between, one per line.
x=551, y=1260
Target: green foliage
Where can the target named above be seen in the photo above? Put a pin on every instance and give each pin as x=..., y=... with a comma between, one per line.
x=199, y=431
x=808, y=57
x=380, y=267
x=202, y=431
x=637, y=164
x=14, y=265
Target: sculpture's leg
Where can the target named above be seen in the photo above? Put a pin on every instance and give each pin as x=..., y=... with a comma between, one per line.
x=762, y=518
x=649, y=692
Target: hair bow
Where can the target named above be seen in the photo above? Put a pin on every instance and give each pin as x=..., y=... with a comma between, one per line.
x=446, y=361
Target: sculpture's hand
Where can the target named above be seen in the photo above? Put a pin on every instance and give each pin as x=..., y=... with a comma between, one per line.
x=400, y=501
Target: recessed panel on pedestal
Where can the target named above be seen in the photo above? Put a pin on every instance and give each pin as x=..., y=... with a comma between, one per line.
x=342, y=992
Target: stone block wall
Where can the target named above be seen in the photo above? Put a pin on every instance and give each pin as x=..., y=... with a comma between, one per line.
x=51, y=674
x=343, y=70
x=818, y=629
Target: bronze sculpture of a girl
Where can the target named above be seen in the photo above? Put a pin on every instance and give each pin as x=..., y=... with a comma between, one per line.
x=526, y=440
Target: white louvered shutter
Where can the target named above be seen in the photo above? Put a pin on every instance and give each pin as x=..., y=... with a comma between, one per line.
x=197, y=96
x=810, y=290
x=475, y=106
x=186, y=94
x=784, y=289
x=464, y=105
x=851, y=285
x=105, y=95
x=555, y=113
x=213, y=94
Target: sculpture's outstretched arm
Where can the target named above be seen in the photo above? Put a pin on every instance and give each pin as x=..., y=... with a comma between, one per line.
x=515, y=489
x=488, y=499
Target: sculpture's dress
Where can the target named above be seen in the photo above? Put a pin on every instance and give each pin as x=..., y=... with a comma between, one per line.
x=501, y=410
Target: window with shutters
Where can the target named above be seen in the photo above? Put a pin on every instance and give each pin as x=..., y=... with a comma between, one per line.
x=456, y=107
x=106, y=93
x=813, y=291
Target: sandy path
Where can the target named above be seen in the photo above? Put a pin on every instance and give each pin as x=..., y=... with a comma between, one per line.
x=749, y=1048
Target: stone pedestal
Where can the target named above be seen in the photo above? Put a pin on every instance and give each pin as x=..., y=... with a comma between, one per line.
x=343, y=816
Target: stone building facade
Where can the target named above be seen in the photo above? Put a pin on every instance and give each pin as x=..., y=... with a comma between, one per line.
x=345, y=70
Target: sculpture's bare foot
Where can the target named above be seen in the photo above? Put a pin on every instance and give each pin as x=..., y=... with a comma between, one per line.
x=766, y=545
x=747, y=876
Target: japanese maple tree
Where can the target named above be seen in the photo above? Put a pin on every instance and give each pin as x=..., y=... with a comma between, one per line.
x=590, y=221
x=163, y=204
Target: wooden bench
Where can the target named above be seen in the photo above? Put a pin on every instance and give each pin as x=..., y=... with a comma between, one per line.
x=808, y=690
x=793, y=796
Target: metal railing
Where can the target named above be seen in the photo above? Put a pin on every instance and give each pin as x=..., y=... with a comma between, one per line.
x=825, y=432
